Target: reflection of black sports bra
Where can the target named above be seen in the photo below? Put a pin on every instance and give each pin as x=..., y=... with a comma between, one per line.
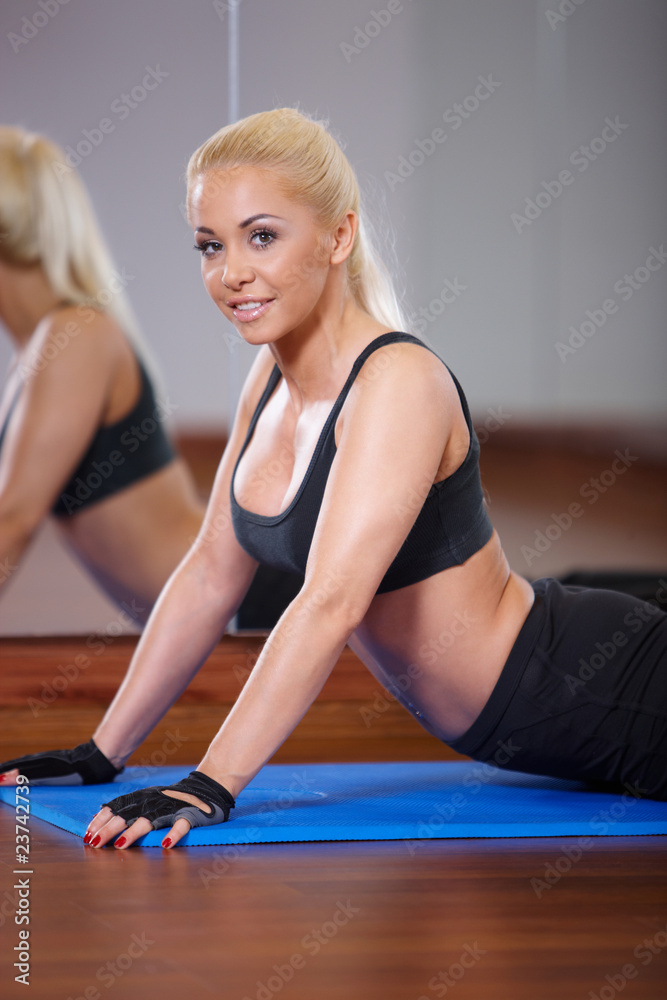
x=451, y=526
x=118, y=456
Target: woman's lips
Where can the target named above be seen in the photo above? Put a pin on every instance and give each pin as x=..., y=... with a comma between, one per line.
x=246, y=312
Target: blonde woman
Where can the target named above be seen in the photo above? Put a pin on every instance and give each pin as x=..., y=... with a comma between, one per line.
x=376, y=496
x=82, y=432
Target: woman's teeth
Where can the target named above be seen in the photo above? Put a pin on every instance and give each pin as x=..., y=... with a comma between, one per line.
x=248, y=312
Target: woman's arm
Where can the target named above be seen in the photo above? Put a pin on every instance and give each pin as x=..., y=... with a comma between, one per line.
x=67, y=374
x=392, y=440
x=199, y=599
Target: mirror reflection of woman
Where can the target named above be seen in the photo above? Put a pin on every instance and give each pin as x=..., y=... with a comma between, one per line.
x=82, y=429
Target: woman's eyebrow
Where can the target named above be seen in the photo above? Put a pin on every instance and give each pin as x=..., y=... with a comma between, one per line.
x=254, y=218
x=244, y=224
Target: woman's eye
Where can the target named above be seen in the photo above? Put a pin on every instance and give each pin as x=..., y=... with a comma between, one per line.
x=208, y=248
x=262, y=237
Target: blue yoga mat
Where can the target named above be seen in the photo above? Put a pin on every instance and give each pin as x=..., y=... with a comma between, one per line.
x=384, y=801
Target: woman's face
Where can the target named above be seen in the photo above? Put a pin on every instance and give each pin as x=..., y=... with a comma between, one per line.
x=265, y=259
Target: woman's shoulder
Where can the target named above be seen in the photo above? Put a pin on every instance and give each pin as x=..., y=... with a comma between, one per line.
x=401, y=385
x=79, y=325
x=74, y=348
x=392, y=363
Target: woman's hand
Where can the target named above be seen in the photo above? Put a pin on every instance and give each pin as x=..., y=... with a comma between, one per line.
x=84, y=765
x=205, y=803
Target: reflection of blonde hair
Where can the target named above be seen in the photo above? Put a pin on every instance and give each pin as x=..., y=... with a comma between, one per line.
x=46, y=218
x=314, y=170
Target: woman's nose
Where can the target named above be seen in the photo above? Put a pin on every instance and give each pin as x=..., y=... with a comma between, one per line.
x=236, y=272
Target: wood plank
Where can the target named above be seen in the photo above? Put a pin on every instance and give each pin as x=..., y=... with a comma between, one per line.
x=89, y=669
x=330, y=731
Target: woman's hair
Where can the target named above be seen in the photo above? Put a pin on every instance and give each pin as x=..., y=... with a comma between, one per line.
x=315, y=171
x=46, y=218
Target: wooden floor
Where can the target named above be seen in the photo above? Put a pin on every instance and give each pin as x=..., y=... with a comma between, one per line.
x=364, y=921
x=523, y=919
x=497, y=919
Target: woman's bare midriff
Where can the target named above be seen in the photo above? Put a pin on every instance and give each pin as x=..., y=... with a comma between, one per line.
x=133, y=540
x=440, y=645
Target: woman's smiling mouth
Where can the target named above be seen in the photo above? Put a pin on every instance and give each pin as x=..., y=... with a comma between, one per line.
x=248, y=309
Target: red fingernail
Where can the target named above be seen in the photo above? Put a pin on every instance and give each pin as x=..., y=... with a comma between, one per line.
x=2, y=777
x=121, y=841
x=96, y=841
x=86, y=839
x=166, y=842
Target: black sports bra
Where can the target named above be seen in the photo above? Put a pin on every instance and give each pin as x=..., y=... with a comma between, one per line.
x=451, y=526
x=118, y=456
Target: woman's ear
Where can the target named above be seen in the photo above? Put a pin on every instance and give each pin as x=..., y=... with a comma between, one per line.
x=343, y=237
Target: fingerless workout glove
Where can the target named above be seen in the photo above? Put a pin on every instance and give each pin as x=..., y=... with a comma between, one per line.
x=163, y=810
x=63, y=767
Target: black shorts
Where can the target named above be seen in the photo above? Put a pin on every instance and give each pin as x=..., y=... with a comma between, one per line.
x=583, y=694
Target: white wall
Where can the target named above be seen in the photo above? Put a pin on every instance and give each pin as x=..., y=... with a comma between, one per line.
x=451, y=218
x=553, y=85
